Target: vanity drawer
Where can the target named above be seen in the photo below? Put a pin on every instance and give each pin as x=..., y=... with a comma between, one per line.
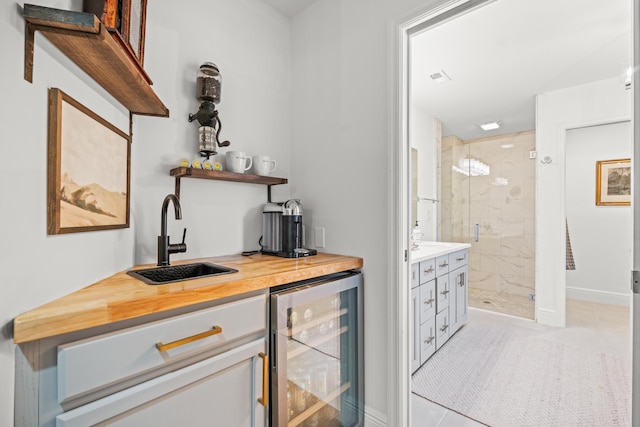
x=442, y=265
x=427, y=339
x=458, y=259
x=427, y=270
x=427, y=300
x=443, y=293
x=107, y=359
x=415, y=275
x=442, y=327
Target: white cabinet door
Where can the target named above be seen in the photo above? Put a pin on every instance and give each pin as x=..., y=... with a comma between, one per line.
x=415, y=329
x=462, y=295
x=222, y=390
x=459, y=280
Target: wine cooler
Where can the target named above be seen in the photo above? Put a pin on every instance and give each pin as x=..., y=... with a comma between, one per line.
x=316, y=350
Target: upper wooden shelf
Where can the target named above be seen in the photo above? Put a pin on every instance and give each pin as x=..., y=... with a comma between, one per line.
x=183, y=172
x=82, y=37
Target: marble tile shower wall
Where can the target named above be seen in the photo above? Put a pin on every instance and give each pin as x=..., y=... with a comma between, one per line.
x=502, y=203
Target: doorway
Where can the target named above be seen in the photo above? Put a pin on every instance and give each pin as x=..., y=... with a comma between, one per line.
x=553, y=303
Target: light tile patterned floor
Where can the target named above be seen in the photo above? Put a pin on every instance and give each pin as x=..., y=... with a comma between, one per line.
x=513, y=305
x=589, y=324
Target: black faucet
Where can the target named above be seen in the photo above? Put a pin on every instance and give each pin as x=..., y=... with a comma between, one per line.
x=164, y=247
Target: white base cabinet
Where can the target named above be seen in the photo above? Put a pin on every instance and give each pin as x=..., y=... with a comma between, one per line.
x=195, y=368
x=439, y=303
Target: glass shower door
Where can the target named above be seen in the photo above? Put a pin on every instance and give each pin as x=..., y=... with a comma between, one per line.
x=488, y=200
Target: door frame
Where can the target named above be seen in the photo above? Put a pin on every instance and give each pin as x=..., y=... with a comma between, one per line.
x=398, y=374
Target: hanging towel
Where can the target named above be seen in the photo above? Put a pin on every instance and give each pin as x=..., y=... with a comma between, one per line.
x=571, y=264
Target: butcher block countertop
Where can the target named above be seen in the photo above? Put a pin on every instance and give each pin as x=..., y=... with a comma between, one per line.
x=123, y=297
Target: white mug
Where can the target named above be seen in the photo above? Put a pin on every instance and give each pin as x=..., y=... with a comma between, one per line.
x=263, y=165
x=236, y=161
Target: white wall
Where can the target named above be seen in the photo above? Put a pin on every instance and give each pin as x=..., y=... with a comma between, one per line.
x=595, y=103
x=248, y=40
x=601, y=236
x=422, y=136
x=342, y=111
x=250, y=44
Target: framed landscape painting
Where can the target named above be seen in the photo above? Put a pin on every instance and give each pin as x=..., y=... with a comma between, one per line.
x=613, y=182
x=88, y=169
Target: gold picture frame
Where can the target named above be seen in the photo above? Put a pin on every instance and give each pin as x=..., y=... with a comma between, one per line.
x=88, y=169
x=613, y=182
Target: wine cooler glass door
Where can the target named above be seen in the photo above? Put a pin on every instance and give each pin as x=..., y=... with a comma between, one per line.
x=316, y=348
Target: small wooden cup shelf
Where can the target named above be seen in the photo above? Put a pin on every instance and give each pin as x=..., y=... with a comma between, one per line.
x=85, y=40
x=183, y=172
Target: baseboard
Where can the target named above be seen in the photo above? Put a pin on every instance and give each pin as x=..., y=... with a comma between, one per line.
x=374, y=418
x=602, y=297
x=549, y=317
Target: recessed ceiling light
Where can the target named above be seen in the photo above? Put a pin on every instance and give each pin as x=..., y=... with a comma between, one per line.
x=490, y=125
x=440, y=77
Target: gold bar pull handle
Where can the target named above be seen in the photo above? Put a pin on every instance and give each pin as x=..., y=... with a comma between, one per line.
x=164, y=347
x=264, y=400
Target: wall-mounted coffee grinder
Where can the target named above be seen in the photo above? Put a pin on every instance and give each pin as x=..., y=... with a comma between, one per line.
x=282, y=232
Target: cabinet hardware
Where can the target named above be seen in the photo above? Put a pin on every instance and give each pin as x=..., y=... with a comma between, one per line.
x=446, y=264
x=444, y=292
x=444, y=328
x=460, y=259
x=265, y=379
x=429, y=270
x=164, y=347
x=429, y=340
x=429, y=301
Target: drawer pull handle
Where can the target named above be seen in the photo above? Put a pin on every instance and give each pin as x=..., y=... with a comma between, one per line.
x=444, y=328
x=264, y=400
x=429, y=340
x=444, y=292
x=429, y=270
x=444, y=265
x=429, y=301
x=460, y=259
x=164, y=347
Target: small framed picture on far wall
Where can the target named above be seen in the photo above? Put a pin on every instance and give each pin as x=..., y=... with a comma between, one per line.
x=613, y=182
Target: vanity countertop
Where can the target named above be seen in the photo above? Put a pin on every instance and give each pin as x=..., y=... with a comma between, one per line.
x=123, y=297
x=429, y=250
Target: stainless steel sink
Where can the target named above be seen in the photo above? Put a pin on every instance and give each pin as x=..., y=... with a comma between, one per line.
x=178, y=273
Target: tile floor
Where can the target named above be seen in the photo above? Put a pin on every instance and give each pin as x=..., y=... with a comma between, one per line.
x=513, y=305
x=589, y=324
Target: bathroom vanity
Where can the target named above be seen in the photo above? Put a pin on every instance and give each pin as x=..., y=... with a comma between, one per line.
x=439, y=296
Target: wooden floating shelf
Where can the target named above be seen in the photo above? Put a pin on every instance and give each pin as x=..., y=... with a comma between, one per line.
x=85, y=40
x=183, y=172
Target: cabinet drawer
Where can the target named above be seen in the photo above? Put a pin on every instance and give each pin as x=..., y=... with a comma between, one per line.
x=427, y=270
x=427, y=339
x=442, y=265
x=96, y=362
x=442, y=327
x=415, y=275
x=458, y=259
x=427, y=302
x=443, y=293
x=224, y=388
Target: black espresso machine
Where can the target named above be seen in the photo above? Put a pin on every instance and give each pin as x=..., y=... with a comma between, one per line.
x=282, y=232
